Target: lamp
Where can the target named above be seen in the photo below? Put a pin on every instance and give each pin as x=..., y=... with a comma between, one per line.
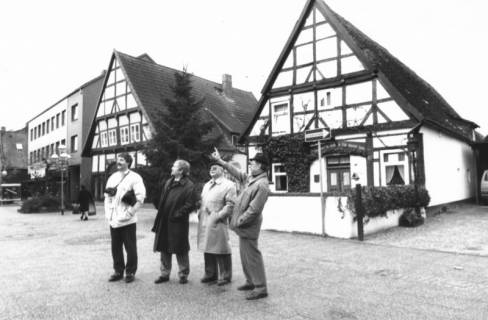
x=62, y=162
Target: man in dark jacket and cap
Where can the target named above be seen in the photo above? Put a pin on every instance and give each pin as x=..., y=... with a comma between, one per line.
x=246, y=221
x=178, y=200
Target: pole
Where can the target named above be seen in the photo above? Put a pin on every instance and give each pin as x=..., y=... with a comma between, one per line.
x=322, y=204
x=359, y=212
x=62, y=190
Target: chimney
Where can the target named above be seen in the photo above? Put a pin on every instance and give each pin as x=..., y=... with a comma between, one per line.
x=3, y=129
x=227, y=84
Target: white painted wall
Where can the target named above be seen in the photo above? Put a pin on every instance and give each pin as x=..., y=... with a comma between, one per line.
x=449, y=167
x=315, y=170
x=289, y=213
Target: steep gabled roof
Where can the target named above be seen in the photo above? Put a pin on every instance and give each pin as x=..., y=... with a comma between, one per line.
x=152, y=84
x=422, y=100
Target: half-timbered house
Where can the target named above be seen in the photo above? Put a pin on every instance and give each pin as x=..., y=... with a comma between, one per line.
x=134, y=89
x=331, y=75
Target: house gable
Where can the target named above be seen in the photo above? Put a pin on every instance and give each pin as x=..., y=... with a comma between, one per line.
x=331, y=75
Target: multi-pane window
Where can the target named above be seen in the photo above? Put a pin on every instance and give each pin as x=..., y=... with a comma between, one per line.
x=74, y=143
x=57, y=121
x=63, y=118
x=104, y=139
x=135, y=133
x=52, y=123
x=124, y=135
x=47, y=125
x=279, y=177
x=74, y=112
x=112, y=137
x=281, y=119
x=31, y=134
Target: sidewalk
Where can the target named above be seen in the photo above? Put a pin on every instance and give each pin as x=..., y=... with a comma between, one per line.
x=56, y=267
x=462, y=229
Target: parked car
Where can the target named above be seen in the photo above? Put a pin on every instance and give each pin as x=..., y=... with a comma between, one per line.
x=484, y=187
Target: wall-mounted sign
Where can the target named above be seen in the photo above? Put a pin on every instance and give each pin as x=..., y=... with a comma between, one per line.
x=344, y=147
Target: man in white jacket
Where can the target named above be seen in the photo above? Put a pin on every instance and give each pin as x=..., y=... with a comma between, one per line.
x=121, y=215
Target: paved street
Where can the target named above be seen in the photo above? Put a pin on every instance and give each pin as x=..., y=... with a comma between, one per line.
x=56, y=267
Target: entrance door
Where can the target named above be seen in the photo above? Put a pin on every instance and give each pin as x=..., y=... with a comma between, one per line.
x=339, y=179
x=338, y=173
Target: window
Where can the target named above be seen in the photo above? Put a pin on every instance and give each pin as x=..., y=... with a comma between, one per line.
x=235, y=139
x=19, y=147
x=124, y=135
x=112, y=137
x=279, y=177
x=394, y=168
x=74, y=144
x=63, y=118
x=52, y=123
x=63, y=142
x=57, y=146
x=281, y=119
x=43, y=128
x=135, y=133
x=57, y=121
x=52, y=148
x=104, y=139
x=31, y=134
x=47, y=125
x=74, y=112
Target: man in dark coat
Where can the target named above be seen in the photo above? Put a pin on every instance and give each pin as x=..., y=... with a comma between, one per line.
x=84, y=199
x=178, y=200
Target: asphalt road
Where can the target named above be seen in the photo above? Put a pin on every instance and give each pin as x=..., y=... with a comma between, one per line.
x=56, y=267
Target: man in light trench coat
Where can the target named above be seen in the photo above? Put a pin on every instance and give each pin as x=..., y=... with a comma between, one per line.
x=218, y=197
x=246, y=221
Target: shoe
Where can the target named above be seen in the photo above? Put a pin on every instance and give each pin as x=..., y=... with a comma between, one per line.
x=208, y=279
x=246, y=287
x=129, y=277
x=161, y=279
x=183, y=280
x=223, y=282
x=115, y=277
x=254, y=295
x=86, y=218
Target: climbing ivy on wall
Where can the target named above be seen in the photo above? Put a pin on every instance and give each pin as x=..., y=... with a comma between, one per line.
x=294, y=153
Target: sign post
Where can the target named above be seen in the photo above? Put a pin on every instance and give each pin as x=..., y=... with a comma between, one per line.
x=317, y=135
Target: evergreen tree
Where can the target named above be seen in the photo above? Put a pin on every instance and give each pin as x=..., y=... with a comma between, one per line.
x=181, y=132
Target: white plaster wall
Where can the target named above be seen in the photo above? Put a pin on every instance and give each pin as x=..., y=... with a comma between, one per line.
x=289, y=213
x=359, y=169
x=449, y=167
x=315, y=170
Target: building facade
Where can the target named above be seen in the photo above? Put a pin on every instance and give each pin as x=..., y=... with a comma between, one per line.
x=13, y=155
x=387, y=125
x=134, y=90
x=65, y=123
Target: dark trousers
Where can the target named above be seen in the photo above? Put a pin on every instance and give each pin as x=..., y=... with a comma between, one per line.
x=218, y=266
x=252, y=263
x=183, y=264
x=124, y=237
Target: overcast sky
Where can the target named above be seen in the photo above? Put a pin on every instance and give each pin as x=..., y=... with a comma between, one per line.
x=49, y=48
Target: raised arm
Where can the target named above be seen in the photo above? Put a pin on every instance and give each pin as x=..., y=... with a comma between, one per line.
x=238, y=174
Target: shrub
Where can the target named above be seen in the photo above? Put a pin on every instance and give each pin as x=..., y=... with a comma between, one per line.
x=45, y=203
x=377, y=201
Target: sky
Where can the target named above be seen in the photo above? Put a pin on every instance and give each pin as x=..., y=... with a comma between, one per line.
x=49, y=48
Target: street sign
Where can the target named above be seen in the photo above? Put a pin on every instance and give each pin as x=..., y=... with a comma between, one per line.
x=314, y=135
